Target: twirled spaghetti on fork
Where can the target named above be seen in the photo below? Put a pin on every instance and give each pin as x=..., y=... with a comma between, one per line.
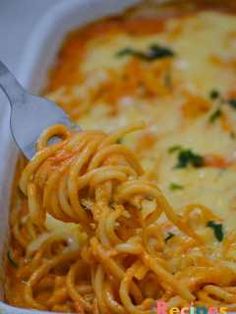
x=133, y=248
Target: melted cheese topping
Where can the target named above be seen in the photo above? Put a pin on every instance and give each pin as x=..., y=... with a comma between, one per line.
x=196, y=41
x=171, y=95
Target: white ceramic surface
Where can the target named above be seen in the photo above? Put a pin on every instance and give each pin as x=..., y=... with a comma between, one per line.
x=39, y=55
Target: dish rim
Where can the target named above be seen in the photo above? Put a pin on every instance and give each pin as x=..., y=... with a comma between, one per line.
x=27, y=69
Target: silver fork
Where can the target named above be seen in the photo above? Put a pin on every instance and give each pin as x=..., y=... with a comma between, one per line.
x=30, y=115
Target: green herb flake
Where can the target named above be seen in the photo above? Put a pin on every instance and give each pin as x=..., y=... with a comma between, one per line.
x=168, y=80
x=169, y=236
x=154, y=52
x=175, y=186
x=11, y=259
x=214, y=94
x=119, y=141
x=125, y=52
x=186, y=157
x=218, y=230
x=232, y=135
x=215, y=115
x=232, y=103
x=174, y=148
x=158, y=52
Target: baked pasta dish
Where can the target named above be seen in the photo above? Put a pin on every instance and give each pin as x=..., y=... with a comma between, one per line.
x=140, y=206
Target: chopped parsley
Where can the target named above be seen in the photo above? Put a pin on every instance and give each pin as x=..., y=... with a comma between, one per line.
x=11, y=259
x=175, y=186
x=188, y=158
x=169, y=236
x=218, y=230
x=215, y=115
x=174, y=148
x=214, y=94
x=154, y=52
x=232, y=103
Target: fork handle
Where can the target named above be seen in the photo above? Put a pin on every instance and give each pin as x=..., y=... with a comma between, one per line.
x=10, y=86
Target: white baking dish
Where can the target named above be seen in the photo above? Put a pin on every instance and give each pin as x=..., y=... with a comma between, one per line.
x=39, y=55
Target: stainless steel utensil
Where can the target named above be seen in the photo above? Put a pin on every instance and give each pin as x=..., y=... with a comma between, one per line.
x=30, y=115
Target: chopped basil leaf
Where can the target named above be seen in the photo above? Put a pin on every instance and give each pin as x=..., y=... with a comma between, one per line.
x=214, y=94
x=169, y=236
x=174, y=186
x=174, y=148
x=215, y=115
x=232, y=103
x=11, y=259
x=187, y=157
x=218, y=230
x=154, y=52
